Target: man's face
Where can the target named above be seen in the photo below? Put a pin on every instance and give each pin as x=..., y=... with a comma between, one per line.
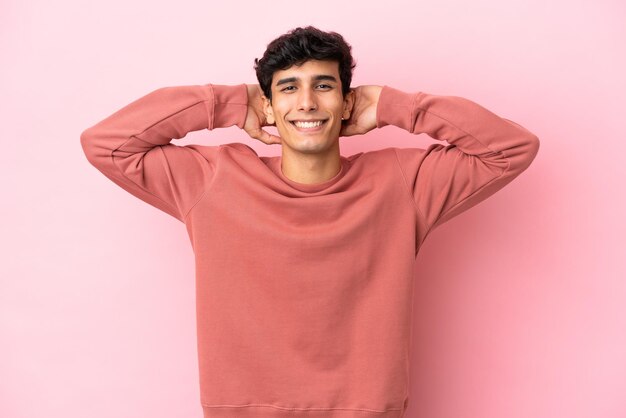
x=309, y=92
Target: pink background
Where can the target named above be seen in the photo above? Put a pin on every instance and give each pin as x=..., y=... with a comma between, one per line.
x=520, y=303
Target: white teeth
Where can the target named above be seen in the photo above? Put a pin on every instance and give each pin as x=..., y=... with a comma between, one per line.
x=308, y=124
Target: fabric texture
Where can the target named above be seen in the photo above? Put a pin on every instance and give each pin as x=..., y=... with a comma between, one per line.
x=304, y=291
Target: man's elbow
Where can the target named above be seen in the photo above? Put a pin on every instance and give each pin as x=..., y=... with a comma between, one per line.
x=91, y=147
x=86, y=142
x=533, y=148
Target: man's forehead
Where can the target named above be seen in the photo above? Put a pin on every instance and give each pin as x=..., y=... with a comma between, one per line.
x=310, y=70
x=314, y=77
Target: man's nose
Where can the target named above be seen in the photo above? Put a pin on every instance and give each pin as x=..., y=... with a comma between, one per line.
x=306, y=101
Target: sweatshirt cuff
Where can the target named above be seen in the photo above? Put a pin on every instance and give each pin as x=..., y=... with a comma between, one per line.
x=395, y=107
x=230, y=105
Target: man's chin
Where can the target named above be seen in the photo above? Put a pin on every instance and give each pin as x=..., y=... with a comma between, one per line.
x=310, y=145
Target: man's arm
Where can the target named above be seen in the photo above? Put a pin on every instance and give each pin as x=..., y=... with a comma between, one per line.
x=486, y=152
x=132, y=146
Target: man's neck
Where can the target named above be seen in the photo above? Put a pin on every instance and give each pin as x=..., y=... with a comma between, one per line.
x=311, y=168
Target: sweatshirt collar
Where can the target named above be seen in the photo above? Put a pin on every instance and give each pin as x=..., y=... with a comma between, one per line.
x=309, y=188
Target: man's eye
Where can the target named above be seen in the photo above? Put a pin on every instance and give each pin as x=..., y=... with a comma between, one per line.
x=319, y=85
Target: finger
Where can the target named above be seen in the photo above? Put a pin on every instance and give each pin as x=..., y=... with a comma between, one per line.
x=253, y=133
x=264, y=136
x=269, y=138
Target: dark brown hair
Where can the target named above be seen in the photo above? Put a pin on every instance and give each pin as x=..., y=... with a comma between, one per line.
x=300, y=45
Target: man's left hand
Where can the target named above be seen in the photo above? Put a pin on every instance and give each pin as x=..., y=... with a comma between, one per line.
x=363, y=116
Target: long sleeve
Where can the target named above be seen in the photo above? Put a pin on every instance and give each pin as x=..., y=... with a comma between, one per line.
x=486, y=152
x=132, y=146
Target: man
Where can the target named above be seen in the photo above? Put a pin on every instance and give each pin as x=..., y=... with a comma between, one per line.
x=304, y=261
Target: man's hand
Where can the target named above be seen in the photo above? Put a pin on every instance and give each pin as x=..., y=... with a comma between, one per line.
x=363, y=116
x=255, y=117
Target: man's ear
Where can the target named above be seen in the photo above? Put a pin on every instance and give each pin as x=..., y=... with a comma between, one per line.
x=267, y=110
x=348, y=104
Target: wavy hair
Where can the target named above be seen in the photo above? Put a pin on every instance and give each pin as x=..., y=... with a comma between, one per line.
x=300, y=45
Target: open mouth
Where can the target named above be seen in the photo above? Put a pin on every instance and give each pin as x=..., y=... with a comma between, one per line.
x=309, y=126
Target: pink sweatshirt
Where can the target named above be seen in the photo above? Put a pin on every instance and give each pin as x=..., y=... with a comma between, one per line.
x=303, y=291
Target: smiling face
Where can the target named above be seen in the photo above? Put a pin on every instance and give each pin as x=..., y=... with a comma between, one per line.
x=307, y=106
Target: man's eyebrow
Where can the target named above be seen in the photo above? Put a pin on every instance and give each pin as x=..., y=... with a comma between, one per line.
x=314, y=78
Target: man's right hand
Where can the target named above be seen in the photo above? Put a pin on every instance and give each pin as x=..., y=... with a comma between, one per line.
x=255, y=117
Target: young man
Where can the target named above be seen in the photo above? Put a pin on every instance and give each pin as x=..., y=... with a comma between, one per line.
x=304, y=261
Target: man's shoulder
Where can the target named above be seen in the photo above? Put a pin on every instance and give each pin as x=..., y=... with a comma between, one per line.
x=213, y=153
x=377, y=154
x=231, y=147
x=391, y=157
x=239, y=147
